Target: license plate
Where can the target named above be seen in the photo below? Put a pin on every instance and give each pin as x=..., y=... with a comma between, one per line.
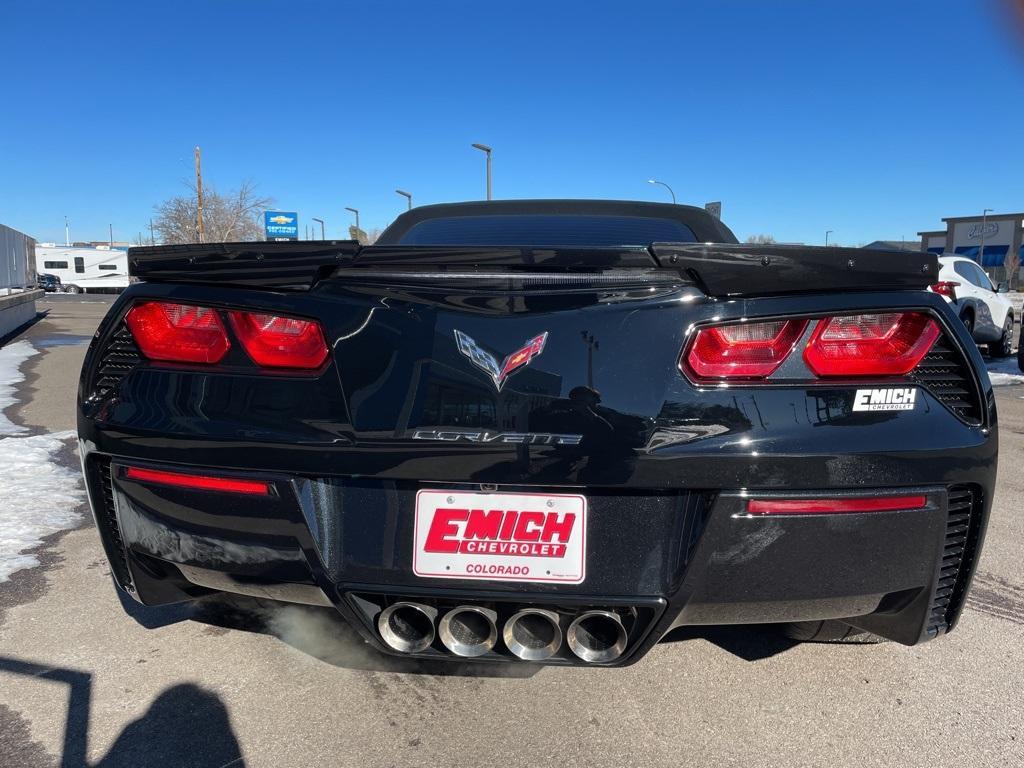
x=536, y=537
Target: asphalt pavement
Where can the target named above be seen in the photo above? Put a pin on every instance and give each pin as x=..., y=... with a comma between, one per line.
x=83, y=682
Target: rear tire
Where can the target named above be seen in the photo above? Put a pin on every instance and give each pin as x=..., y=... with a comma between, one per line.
x=829, y=631
x=72, y=289
x=968, y=320
x=1003, y=347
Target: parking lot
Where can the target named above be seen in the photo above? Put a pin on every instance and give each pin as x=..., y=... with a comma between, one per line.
x=83, y=682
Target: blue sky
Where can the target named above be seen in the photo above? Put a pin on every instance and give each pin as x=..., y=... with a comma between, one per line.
x=870, y=118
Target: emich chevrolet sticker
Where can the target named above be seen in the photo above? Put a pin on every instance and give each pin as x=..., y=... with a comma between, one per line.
x=890, y=399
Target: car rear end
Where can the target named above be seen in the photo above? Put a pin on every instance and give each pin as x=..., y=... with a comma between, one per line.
x=552, y=454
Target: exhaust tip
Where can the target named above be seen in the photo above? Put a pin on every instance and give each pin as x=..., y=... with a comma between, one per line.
x=407, y=627
x=597, y=636
x=468, y=630
x=533, y=634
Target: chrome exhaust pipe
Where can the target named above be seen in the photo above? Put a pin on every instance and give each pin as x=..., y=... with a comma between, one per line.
x=468, y=630
x=407, y=627
x=533, y=634
x=597, y=636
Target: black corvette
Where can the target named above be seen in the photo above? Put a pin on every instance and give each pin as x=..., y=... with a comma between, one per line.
x=543, y=430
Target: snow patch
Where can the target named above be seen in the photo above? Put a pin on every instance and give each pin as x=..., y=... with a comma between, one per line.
x=38, y=497
x=1004, y=372
x=11, y=358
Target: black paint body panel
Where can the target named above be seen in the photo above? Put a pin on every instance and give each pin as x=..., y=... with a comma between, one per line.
x=664, y=463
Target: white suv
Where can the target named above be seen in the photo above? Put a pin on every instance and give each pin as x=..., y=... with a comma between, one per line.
x=985, y=310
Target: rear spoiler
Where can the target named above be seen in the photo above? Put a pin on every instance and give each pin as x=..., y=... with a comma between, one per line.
x=718, y=269
x=278, y=265
x=762, y=270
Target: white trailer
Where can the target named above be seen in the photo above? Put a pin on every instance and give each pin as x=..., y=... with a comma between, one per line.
x=99, y=270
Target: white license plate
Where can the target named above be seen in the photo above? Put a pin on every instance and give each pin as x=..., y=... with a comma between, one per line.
x=500, y=536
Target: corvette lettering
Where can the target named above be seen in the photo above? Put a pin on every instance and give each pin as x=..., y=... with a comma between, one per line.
x=499, y=532
x=515, y=438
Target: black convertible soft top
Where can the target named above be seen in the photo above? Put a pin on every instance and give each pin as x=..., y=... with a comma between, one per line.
x=705, y=227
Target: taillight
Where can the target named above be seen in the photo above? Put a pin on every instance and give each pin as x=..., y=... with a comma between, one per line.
x=179, y=333
x=742, y=351
x=885, y=344
x=198, y=482
x=833, y=506
x=273, y=341
x=946, y=288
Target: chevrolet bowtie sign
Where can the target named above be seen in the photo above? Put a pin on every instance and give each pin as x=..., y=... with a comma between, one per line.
x=281, y=225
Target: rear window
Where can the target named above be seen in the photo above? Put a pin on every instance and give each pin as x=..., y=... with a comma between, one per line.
x=555, y=231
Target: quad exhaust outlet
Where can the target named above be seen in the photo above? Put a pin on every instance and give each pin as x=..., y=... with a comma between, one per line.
x=468, y=630
x=597, y=636
x=407, y=627
x=533, y=634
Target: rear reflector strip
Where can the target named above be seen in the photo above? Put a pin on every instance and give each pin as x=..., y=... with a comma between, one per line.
x=198, y=482
x=833, y=506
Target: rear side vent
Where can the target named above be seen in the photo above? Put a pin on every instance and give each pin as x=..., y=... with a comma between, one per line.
x=944, y=373
x=102, y=490
x=963, y=526
x=119, y=357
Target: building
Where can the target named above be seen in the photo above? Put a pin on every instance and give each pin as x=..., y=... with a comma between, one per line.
x=894, y=245
x=989, y=240
x=17, y=280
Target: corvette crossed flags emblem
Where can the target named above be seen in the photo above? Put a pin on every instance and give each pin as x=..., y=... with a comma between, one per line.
x=489, y=364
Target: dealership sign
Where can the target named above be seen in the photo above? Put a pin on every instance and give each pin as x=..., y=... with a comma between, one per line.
x=991, y=229
x=281, y=225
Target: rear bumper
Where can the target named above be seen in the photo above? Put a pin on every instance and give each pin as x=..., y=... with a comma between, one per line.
x=666, y=558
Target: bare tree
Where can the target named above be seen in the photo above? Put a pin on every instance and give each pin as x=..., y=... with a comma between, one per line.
x=1012, y=264
x=231, y=217
x=363, y=237
x=760, y=240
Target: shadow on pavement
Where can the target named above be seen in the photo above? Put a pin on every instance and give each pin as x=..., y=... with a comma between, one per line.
x=750, y=642
x=184, y=726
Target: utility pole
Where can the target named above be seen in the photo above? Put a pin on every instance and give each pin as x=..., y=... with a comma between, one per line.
x=666, y=186
x=984, y=221
x=67, y=233
x=356, y=212
x=199, y=196
x=487, y=151
x=152, y=237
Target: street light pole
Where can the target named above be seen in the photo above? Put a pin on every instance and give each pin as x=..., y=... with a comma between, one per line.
x=67, y=233
x=356, y=212
x=322, y=235
x=487, y=151
x=111, y=230
x=407, y=196
x=666, y=186
x=827, y=233
x=984, y=221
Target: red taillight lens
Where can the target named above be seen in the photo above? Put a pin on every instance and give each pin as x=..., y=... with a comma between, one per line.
x=179, y=333
x=742, y=351
x=946, y=288
x=833, y=506
x=280, y=342
x=887, y=344
x=198, y=482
